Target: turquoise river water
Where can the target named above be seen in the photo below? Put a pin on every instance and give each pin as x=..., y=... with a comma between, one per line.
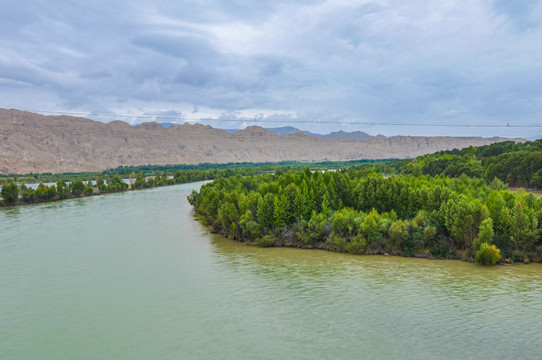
x=134, y=276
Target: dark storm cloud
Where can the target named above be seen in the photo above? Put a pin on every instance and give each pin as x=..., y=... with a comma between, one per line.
x=328, y=61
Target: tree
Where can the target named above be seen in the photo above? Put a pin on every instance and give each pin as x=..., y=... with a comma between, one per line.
x=249, y=228
x=10, y=193
x=399, y=233
x=28, y=194
x=52, y=192
x=485, y=234
x=370, y=224
x=78, y=188
x=462, y=218
x=41, y=192
x=302, y=203
x=88, y=189
x=228, y=216
x=429, y=233
x=265, y=212
x=523, y=225
x=280, y=211
x=62, y=190
x=488, y=254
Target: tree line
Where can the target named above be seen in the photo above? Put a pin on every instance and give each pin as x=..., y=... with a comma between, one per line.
x=516, y=164
x=119, y=181
x=14, y=194
x=363, y=212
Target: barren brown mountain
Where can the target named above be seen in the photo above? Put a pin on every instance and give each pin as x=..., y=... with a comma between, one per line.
x=36, y=143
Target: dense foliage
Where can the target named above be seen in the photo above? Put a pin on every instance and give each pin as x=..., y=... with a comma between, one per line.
x=85, y=184
x=364, y=212
x=516, y=164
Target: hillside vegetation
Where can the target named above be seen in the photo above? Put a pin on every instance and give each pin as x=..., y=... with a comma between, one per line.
x=516, y=164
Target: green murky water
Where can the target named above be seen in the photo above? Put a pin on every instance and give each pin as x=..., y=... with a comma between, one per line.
x=133, y=276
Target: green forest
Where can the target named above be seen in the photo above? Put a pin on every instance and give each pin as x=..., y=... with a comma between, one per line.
x=516, y=164
x=363, y=212
x=73, y=185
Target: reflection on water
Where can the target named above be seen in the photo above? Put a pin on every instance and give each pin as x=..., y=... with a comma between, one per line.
x=445, y=274
x=134, y=276
x=445, y=307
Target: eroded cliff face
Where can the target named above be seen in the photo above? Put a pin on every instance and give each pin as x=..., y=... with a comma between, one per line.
x=35, y=143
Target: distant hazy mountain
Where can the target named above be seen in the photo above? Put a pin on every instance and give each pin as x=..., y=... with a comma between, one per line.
x=356, y=135
x=167, y=124
x=287, y=130
x=280, y=131
x=163, y=124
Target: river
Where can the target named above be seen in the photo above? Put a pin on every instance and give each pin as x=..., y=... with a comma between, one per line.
x=134, y=276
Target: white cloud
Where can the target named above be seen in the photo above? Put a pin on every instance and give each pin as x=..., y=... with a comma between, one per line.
x=343, y=62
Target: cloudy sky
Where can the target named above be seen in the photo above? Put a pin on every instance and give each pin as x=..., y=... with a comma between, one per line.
x=461, y=67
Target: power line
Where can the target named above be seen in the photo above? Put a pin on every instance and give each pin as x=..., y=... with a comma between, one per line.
x=289, y=121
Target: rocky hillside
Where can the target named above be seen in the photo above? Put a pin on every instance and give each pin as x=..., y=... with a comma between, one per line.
x=35, y=143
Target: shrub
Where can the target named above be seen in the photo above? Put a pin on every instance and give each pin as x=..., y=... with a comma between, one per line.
x=88, y=189
x=357, y=246
x=337, y=243
x=249, y=228
x=517, y=256
x=266, y=241
x=488, y=254
x=475, y=245
x=399, y=232
x=505, y=244
x=442, y=249
x=316, y=229
x=77, y=188
x=429, y=233
x=10, y=193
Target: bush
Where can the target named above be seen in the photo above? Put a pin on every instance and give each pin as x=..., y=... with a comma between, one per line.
x=337, y=243
x=266, y=241
x=488, y=254
x=249, y=228
x=505, y=244
x=412, y=243
x=429, y=233
x=317, y=230
x=357, y=246
x=88, y=189
x=517, y=256
x=399, y=232
x=442, y=250
x=77, y=188
x=10, y=193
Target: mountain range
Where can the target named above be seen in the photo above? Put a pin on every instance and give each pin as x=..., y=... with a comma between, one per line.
x=36, y=143
x=286, y=130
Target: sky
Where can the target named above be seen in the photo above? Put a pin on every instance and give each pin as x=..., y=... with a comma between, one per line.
x=394, y=67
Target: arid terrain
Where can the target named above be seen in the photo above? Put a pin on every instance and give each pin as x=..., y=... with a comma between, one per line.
x=36, y=143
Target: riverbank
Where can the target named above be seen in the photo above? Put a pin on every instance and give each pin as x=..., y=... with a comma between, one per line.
x=18, y=195
x=463, y=256
x=366, y=213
